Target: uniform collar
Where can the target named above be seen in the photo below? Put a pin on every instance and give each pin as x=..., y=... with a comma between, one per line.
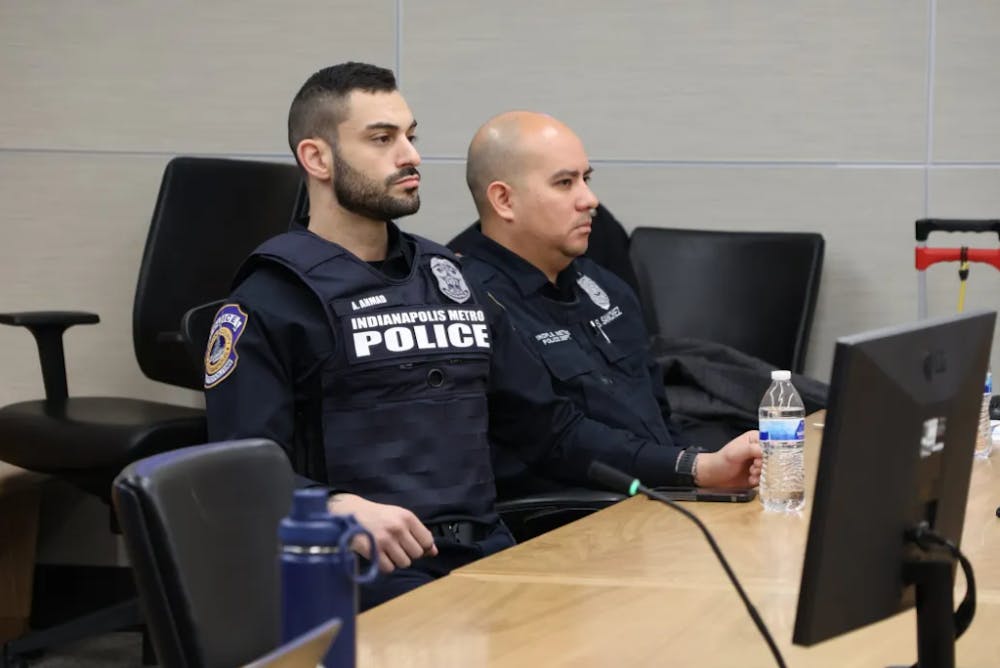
x=528, y=278
x=398, y=253
x=398, y=245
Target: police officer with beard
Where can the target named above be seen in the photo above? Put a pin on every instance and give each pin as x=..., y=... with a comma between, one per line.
x=364, y=353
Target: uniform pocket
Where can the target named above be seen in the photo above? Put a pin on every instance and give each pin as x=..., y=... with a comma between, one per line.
x=628, y=356
x=566, y=360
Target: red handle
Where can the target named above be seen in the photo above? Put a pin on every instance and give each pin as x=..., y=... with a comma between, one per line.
x=928, y=256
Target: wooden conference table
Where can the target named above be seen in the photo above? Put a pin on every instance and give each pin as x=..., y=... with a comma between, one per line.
x=637, y=585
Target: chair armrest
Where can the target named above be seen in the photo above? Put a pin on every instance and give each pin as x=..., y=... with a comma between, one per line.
x=195, y=326
x=569, y=499
x=47, y=327
x=65, y=319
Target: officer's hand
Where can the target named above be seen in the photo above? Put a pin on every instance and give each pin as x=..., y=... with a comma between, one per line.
x=400, y=536
x=737, y=464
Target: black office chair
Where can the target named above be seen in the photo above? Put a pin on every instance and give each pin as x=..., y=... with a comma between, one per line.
x=753, y=291
x=210, y=213
x=201, y=528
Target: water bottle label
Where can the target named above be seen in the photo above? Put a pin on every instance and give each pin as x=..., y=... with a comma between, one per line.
x=988, y=388
x=784, y=429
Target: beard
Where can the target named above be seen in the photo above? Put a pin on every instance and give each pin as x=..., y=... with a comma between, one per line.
x=366, y=197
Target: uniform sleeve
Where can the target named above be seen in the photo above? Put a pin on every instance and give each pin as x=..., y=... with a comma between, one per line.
x=249, y=387
x=550, y=432
x=660, y=393
x=252, y=398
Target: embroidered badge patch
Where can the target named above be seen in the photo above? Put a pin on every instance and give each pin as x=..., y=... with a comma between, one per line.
x=594, y=291
x=220, y=355
x=450, y=280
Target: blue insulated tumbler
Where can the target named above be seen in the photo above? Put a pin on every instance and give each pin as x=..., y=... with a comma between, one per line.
x=319, y=573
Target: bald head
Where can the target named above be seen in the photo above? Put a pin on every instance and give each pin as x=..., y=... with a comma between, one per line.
x=530, y=178
x=504, y=146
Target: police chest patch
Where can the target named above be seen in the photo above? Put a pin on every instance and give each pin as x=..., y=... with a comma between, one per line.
x=417, y=331
x=450, y=280
x=594, y=291
x=557, y=336
x=220, y=354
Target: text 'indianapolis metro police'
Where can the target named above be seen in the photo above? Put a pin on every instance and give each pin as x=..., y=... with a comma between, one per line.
x=415, y=330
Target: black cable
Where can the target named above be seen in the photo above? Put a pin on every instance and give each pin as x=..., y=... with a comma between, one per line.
x=966, y=610
x=757, y=620
x=622, y=482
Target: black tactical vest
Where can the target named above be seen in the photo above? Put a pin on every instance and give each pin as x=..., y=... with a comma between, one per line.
x=404, y=393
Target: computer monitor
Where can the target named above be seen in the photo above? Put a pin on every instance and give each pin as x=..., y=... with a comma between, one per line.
x=897, y=451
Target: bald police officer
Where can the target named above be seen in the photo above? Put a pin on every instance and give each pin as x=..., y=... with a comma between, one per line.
x=529, y=178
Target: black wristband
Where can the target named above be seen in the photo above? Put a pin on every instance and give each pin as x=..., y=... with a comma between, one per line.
x=684, y=469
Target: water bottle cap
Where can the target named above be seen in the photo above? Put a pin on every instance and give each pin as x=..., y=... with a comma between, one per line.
x=309, y=504
x=310, y=523
x=781, y=374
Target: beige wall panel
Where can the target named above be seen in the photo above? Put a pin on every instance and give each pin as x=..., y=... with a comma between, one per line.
x=965, y=193
x=210, y=77
x=681, y=80
x=73, y=231
x=866, y=217
x=967, y=81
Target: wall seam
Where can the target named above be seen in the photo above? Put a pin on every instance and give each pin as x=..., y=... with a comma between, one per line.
x=399, y=44
x=929, y=137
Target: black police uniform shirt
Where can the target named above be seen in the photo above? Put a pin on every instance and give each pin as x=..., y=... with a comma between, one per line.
x=375, y=378
x=589, y=331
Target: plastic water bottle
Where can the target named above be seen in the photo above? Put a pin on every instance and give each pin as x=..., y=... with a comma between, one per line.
x=319, y=579
x=782, y=438
x=984, y=437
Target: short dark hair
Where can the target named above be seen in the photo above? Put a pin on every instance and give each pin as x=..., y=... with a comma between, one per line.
x=319, y=106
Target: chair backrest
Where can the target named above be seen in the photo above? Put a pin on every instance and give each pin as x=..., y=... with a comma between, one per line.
x=753, y=291
x=210, y=214
x=201, y=528
x=301, y=202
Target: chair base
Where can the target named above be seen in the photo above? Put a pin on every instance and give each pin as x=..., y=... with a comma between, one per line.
x=64, y=592
x=57, y=617
x=116, y=617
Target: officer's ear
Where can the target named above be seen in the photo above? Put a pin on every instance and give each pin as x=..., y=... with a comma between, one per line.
x=316, y=158
x=499, y=195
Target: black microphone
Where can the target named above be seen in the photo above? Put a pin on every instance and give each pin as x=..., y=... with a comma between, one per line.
x=623, y=483
x=612, y=478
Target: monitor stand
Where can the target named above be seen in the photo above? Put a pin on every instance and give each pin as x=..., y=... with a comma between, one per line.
x=932, y=573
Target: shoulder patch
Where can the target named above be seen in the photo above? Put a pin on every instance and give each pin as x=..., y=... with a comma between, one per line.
x=450, y=280
x=220, y=354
